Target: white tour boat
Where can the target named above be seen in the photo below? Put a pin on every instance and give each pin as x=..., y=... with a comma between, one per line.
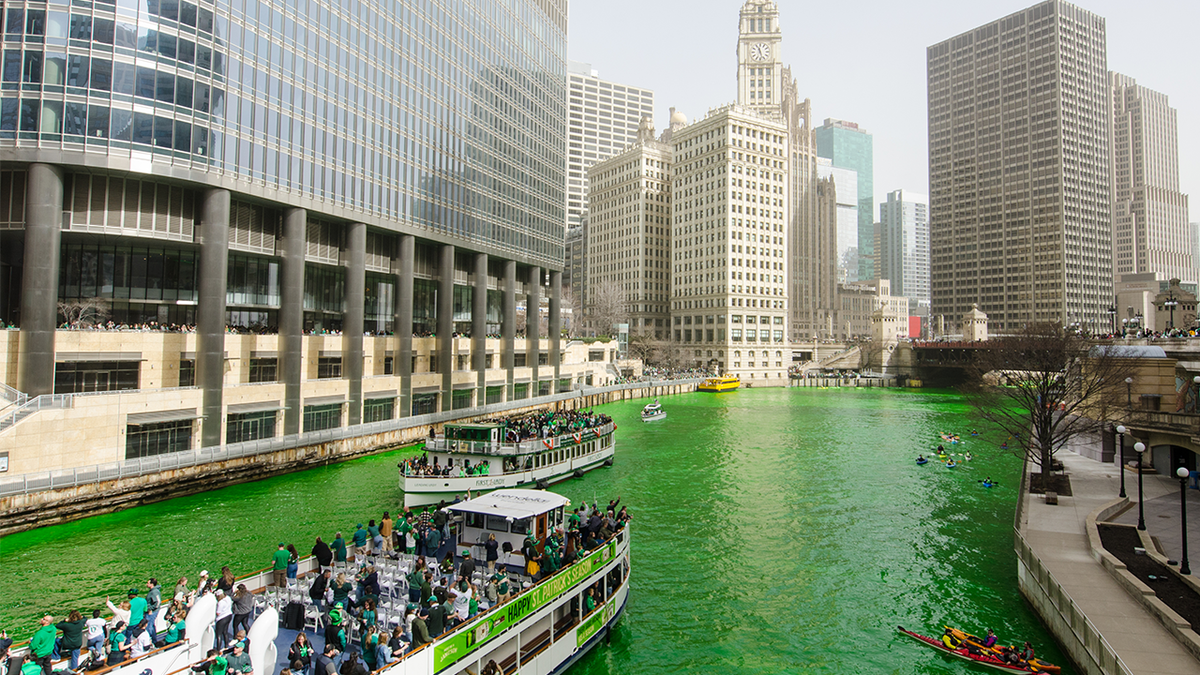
x=478, y=458
x=653, y=411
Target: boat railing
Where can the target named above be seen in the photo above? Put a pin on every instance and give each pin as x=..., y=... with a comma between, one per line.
x=524, y=447
x=40, y=481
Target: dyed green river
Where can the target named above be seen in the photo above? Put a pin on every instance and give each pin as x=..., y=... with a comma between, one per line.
x=774, y=531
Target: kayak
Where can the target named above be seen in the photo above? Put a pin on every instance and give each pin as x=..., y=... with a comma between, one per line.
x=1037, y=665
x=969, y=651
x=922, y=461
x=951, y=464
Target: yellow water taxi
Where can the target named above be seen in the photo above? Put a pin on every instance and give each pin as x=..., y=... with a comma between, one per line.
x=723, y=383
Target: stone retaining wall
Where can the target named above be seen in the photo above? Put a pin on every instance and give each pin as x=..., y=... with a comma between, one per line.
x=37, y=509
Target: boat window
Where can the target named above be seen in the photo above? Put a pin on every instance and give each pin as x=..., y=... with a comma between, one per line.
x=474, y=520
x=497, y=523
x=520, y=526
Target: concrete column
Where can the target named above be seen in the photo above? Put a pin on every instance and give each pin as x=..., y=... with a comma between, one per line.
x=291, y=316
x=210, y=314
x=39, y=279
x=533, y=299
x=508, y=326
x=479, y=326
x=352, y=319
x=404, y=320
x=445, y=324
x=555, y=325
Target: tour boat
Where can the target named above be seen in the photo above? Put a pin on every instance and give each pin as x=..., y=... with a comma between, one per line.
x=547, y=626
x=718, y=384
x=490, y=459
x=653, y=412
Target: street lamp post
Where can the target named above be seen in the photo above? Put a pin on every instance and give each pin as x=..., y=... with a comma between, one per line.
x=1129, y=393
x=1170, y=304
x=1112, y=318
x=1121, y=436
x=1183, y=474
x=1140, y=448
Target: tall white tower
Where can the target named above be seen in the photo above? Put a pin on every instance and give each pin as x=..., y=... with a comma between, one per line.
x=760, y=57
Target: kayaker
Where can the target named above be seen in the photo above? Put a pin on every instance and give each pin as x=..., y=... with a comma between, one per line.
x=990, y=640
x=1027, y=653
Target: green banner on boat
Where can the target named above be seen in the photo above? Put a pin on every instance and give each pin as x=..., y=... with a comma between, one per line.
x=470, y=637
x=601, y=616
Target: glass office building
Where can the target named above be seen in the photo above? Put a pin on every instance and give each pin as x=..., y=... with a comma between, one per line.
x=282, y=166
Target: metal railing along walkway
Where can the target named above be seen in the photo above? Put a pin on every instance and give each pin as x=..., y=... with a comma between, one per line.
x=96, y=473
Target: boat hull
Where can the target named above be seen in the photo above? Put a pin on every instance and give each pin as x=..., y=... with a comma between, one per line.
x=655, y=417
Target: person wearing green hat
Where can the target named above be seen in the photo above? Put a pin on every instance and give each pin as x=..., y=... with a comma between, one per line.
x=335, y=632
x=360, y=543
x=239, y=660
x=435, y=617
x=279, y=561
x=137, y=609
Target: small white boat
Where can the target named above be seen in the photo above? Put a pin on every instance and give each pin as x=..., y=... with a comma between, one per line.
x=653, y=412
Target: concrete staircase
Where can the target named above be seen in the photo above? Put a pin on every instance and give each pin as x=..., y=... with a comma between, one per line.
x=849, y=359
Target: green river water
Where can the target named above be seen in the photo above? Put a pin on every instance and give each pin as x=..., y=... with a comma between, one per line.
x=775, y=530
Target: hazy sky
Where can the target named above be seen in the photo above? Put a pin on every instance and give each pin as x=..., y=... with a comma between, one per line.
x=864, y=61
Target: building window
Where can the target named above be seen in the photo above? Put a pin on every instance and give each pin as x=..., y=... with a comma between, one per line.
x=423, y=404
x=520, y=391
x=379, y=409
x=595, y=356
x=544, y=388
x=319, y=417
x=389, y=365
x=250, y=426
x=462, y=398
x=518, y=360
x=145, y=440
x=543, y=359
x=187, y=373
x=74, y=377
x=329, y=367
x=263, y=370
x=495, y=395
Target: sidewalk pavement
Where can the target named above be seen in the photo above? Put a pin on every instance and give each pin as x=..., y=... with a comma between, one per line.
x=1162, y=514
x=1057, y=535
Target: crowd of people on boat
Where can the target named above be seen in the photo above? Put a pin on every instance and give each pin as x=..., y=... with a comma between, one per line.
x=549, y=424
x=421, y=466
x=357, y=640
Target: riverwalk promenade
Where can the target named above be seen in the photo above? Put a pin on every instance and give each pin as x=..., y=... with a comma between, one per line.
x=1095, y=618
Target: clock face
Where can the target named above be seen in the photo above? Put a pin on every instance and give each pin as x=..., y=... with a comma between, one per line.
x=760, y=51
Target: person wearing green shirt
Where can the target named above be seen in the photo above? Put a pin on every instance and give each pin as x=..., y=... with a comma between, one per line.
x=117, y=645
x=360, y=543
x=339, y=548
x=137, y=608
x=30, y=667
x=404, y=528
x=279, y=563
x=41, y=645
x=374, y=538
x=175, y=630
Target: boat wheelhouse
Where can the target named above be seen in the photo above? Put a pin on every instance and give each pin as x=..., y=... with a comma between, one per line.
x=488, y=456
x=718, y=384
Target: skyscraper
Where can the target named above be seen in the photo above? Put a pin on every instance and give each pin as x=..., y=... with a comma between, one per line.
x=903, y=254
x=851, y=147
x=1150, y=214
x=306, y=171
x=603, y=120
x=1020, y=216
x=729, y=303
x=844, y=184
x=629, y=233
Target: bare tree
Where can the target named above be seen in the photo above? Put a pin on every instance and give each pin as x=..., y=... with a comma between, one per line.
x=1046, y=385
x=83, y=312
x=570, y=311
x=608, y=306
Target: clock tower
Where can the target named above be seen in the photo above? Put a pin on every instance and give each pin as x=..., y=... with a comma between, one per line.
x=760, y=61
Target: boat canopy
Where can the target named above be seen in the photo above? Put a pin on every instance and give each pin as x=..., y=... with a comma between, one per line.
x=514, y=504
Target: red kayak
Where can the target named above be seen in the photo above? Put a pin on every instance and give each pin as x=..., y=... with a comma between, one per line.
x=959, y=649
